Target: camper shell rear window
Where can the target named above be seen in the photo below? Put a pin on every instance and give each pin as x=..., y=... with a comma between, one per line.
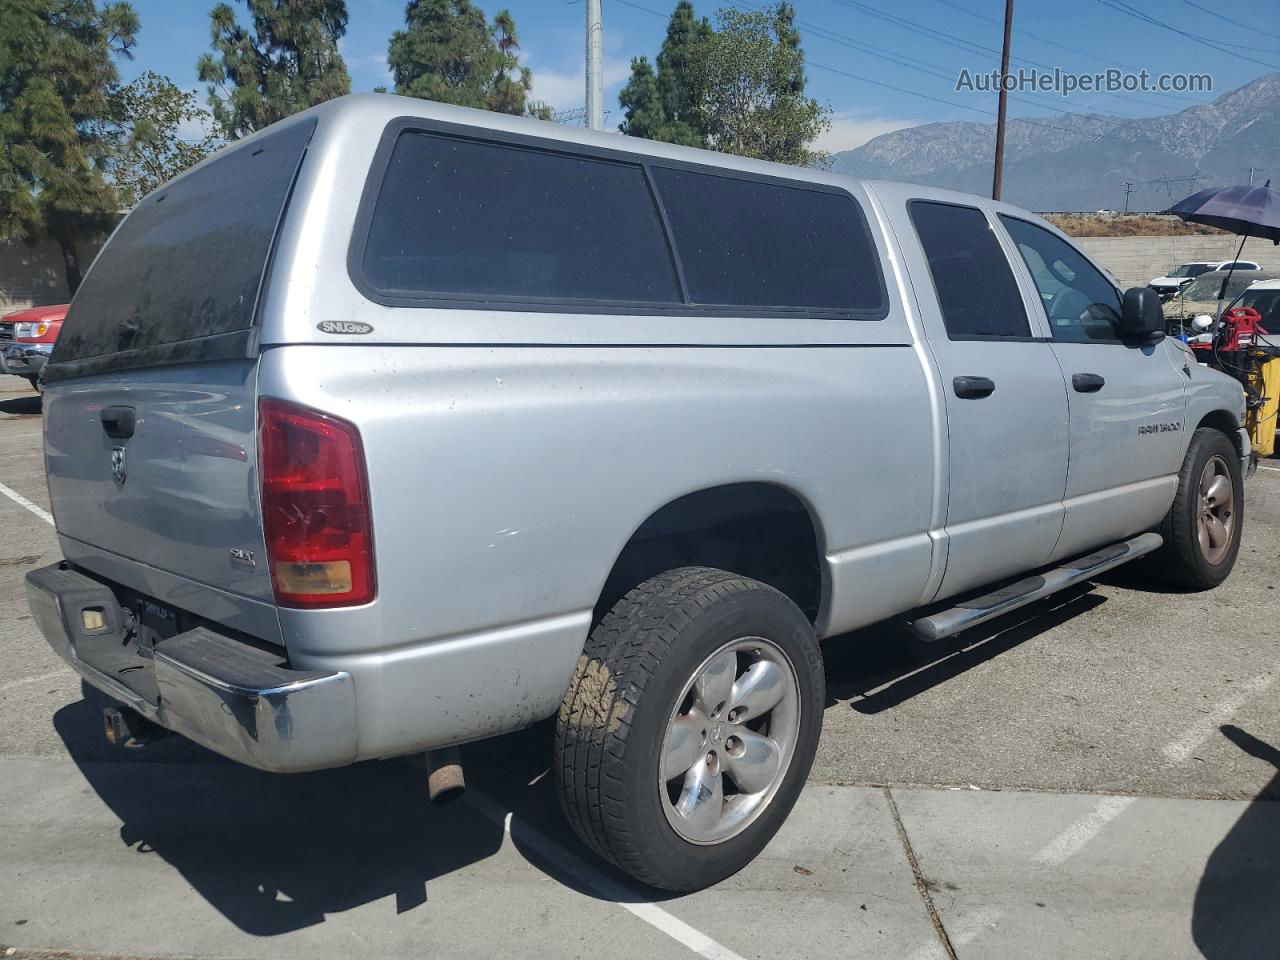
x=505, y=221
x=179, y=279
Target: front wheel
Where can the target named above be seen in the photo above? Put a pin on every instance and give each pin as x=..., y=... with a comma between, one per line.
x=690, y=726
x=1202, y=529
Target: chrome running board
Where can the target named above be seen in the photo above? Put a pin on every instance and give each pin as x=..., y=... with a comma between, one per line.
x=970, y=613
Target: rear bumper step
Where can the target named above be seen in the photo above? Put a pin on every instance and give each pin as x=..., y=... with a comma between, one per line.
x=970, y=613
x=229, y=696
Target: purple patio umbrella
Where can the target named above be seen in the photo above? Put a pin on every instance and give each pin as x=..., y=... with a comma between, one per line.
x=1246, y=211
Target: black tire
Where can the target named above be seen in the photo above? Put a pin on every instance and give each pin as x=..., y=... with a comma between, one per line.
x=611, y=725
x=1182, y=561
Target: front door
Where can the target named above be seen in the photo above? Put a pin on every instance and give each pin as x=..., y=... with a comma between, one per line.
x=1006, y=400
x=1127, y=401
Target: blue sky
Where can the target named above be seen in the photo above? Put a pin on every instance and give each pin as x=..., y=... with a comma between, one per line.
x=912, y=50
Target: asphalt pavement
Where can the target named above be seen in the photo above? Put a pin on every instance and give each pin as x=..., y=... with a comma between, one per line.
x=1090, y=777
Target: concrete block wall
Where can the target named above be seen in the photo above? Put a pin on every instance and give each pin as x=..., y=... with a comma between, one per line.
x=32, y=275
x=1135, y=260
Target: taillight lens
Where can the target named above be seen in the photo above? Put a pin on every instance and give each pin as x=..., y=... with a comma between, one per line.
x=315, y=507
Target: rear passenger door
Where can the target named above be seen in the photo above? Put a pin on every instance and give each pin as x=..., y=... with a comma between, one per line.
x=1127, y=401
x=1006, y=400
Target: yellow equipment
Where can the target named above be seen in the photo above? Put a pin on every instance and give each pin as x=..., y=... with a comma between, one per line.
x=1262, y=420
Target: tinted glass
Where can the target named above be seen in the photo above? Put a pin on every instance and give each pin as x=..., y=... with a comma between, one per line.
x=458, y=218
x=1267, y=303
x=1209, y=286
x=187, y=262
x=1081, y=303
x=752, y=244
x=975, y=284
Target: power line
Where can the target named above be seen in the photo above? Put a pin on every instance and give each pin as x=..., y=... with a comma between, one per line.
x=1222, y=16
x=1058, y=44
x=1121, y=7
x=925, y=96
x=883, y=53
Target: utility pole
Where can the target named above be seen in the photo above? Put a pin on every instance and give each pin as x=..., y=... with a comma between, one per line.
x=595, y=66
x=1004, y=96
x=1128, y=189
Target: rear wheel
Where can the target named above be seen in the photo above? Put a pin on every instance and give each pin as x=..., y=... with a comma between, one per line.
x=1202, y=529
x=690, y=726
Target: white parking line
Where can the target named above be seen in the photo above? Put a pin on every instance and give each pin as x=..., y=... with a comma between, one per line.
x=22, y=501
x=605, y=886
x=1073, y=839
x=1206, y=726
x=964, y=931
x=1272, y=469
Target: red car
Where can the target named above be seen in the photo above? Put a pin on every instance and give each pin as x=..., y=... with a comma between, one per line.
x=27, y=338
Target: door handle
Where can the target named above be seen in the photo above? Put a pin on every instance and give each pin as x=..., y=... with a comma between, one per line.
x=973, y=388
x=118, y=422
x=1087, y=382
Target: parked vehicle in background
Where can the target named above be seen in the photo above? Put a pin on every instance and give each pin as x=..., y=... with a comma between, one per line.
x=27, y=338
x=349, y=460
x=1168, y=285
x=1200, y=296
x=1264, y=296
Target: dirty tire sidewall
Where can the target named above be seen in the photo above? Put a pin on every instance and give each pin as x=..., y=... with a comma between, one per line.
x=637, y=662
x=1181, y=560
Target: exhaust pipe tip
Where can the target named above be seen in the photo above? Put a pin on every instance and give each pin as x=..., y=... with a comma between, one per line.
x=445, y=780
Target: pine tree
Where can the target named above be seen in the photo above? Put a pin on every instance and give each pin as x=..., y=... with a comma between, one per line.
x=642, y=103
x=664, y=105
x=678, y=74
x=286, y=62
x=449, y=53
x=57, y=76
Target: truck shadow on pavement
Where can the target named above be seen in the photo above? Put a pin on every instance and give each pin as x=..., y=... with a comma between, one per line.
x=1237, y=905
x=276, y=853
x=881, y=666
x=22, y=406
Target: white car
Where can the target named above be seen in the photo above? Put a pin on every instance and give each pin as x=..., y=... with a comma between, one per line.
x=1264, y=296
x=1175, y=279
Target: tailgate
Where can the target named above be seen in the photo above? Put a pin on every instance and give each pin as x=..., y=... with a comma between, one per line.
x=159, y=465
x=150, y=400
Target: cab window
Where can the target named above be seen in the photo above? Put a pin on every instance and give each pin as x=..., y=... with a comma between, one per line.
x=976, y=289
x=1081, y=303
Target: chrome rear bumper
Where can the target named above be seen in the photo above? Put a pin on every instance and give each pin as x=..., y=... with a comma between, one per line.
x=236, y=699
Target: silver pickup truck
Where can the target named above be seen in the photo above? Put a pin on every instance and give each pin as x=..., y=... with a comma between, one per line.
x=398, y=425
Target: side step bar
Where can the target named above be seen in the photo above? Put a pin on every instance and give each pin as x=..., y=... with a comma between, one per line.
x=970, y=613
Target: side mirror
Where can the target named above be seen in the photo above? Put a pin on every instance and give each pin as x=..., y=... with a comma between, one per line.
x=1141, y=319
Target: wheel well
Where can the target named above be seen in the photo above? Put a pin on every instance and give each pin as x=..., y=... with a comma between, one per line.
x=758, y=530
x=1221, y=420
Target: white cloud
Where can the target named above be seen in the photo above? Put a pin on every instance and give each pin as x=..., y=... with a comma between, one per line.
x=199, y=128
x=849, y=130
x=565, y=90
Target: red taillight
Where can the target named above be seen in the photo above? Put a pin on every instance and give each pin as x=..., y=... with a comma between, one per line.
x=315, y=507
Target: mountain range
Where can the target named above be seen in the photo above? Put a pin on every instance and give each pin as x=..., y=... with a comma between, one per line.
x=1081, y=161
